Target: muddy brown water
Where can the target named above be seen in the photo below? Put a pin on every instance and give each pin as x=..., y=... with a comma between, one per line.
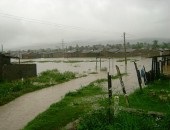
x=16, y=114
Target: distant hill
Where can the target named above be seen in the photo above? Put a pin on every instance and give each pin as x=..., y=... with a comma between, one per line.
x=57, y=45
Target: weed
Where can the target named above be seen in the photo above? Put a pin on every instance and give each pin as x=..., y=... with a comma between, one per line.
x=103, y=69
x=98, y=120
x=61, y=113
x=14, y=89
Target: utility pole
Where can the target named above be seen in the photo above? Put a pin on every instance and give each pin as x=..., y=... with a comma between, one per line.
x=2, y=48
x=124, y=37
x=62, y=44
x=63, y=47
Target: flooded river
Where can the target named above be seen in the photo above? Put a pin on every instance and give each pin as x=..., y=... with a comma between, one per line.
x=85, y=66
x=16, y=114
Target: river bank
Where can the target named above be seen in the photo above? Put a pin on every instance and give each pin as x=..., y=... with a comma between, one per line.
x=16, y=114
x=87, y=108
x=9, y=90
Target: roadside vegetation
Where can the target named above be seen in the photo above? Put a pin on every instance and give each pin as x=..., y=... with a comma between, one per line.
x=70, y=108
x=154, y=97
x=148, y=109
x=9, y=90
x=151, y=110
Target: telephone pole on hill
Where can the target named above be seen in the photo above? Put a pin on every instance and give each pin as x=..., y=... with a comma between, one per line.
x=124, y=37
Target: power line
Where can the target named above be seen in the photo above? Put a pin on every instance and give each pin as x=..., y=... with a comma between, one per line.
x=11, y=16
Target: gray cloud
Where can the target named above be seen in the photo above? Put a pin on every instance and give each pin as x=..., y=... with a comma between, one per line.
x=81, y=20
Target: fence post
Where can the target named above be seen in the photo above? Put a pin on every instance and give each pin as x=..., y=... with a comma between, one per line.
x=109, y=64
x=100, y=64
x=122, y=85
x=96, y=63
x=138, y=76
x=145, y=76
x=113, y=65
x=110, y=95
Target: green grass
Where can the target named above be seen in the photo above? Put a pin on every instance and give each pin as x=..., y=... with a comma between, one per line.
x=98, y=120
x=54, y=76
x=147, y=100
x=73, y=106
x=117, y=76
x=87, y=105
x=70, y=108
x=150, y=98
x=11, y=90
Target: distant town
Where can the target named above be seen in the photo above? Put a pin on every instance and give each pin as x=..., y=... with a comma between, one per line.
x=108, y=50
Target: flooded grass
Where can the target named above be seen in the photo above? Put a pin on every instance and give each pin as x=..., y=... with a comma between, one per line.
x=131, y=60
x=54, y=76
x=73, y=61
x=11, y=90
x=117, y=76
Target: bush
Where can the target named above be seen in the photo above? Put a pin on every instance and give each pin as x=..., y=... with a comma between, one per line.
x=55, y=76
x=98, y=120
x=11, y=90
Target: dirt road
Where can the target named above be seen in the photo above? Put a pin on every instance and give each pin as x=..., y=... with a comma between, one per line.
x=16, y=114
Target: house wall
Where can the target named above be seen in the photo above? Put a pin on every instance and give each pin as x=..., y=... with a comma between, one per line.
x=0, y=72
x=31, y=56
x=58, y=54
x=4, y=60
x=18, y=71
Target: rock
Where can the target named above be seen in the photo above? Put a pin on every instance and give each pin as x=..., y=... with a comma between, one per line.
x=163, y=98
x=71, y=125
x=152, y=93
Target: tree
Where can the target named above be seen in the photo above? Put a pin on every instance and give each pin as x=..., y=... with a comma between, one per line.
x=155, y=44
x=128, y=45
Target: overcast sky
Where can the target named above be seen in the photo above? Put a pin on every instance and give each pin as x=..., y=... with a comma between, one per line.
x=38, y=22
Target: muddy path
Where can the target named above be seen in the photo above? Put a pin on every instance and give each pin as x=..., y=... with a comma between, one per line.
x=16, y=114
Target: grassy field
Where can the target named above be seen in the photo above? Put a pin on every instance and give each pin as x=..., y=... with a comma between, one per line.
x=154, y=98
x=73, y=106
x=11, y=90
x=90, y=106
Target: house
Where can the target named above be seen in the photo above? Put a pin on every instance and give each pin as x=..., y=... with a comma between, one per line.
x=161, y=65
x=110, y=52
x=4, y=60
x=31, y=55
x=10, y=71
x=72, y=53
